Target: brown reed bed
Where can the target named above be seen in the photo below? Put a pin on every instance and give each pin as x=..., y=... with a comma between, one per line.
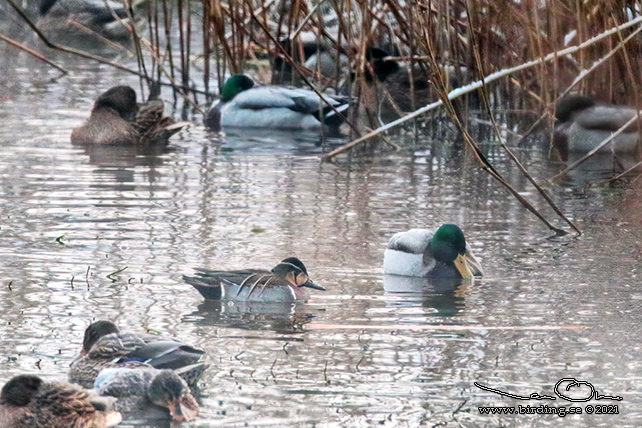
x=513, y=56
x=442, y=44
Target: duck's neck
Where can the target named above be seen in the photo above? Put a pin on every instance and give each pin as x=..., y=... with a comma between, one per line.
x=444, y=270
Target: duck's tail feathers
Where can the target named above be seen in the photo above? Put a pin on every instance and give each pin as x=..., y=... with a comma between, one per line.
x=207, y=290
x=192, y=373
x=164, y=132
x=333, y=117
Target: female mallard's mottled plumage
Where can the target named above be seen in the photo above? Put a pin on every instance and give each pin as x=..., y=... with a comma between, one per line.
x=284, y=283
x=582, y=124
x=440, y=253
x=147, y=393
x=28, y=401
x=116, y=119
x=244, y=106
x=104, y=346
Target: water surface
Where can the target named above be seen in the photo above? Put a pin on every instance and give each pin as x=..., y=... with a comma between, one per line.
x=88, y=234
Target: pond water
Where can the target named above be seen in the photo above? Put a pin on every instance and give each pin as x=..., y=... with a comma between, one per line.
x=88, y=234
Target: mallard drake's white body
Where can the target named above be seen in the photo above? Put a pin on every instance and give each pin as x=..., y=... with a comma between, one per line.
x=244, y=106
x=583, y=125
x=417, y=253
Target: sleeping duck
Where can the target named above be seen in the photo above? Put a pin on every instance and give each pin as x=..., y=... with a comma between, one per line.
x=440, y=253
x=104, y=346
x=582, y=124
x=243, y=105
x=88, y=23
x=147, y=393
x=116, y=119
x=319, y=55
x=28, y=401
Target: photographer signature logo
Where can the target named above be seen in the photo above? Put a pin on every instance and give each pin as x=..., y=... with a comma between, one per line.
x=569, y=383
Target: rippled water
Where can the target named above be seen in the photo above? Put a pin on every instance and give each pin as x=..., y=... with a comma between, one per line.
x=89, y=234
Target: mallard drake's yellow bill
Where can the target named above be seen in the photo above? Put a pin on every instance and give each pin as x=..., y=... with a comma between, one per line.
x=461, y=263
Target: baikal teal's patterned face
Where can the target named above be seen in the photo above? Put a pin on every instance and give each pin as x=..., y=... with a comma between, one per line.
x=293, y=271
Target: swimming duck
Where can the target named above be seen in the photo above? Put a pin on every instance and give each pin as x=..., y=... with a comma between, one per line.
x=86, y=22
x=582, y=124
x=319, y=55
x=104, y=346
x=286, y=282
x=278, y=107
x=146, y=393
x=116, y=119
x=28, y=401
x=440, y=253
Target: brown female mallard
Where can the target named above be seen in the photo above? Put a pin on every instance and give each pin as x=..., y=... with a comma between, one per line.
x=116, y=119
x=28, y=401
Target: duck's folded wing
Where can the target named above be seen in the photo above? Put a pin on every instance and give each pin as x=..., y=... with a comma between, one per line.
x=237, y=276
x=264, y=97
x=412, y=241
x=115, y=345
x=123, y=382
x=163, y=353
x=609, y=118
x=209, y=282
x=295, y=99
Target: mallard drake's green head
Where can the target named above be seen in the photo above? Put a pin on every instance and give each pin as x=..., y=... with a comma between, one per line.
x=234, y=85
x=570, y=104
x=293, y=271
x=170, y=391
x=448, y=246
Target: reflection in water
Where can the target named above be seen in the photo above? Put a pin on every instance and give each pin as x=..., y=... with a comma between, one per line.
x=278, y=317
x=270, y=141
x=444, y=296
x=601, y=167
x=109, y=156
x=360, y=354
x=115, y=165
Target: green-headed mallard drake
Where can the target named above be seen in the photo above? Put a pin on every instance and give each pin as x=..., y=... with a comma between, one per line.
x=104, y=346
x=28, y=401
x=582, y=124
x=116, y=119
x=243, y=105
x=440, y=253
x=146, y=393
x=286, y=282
